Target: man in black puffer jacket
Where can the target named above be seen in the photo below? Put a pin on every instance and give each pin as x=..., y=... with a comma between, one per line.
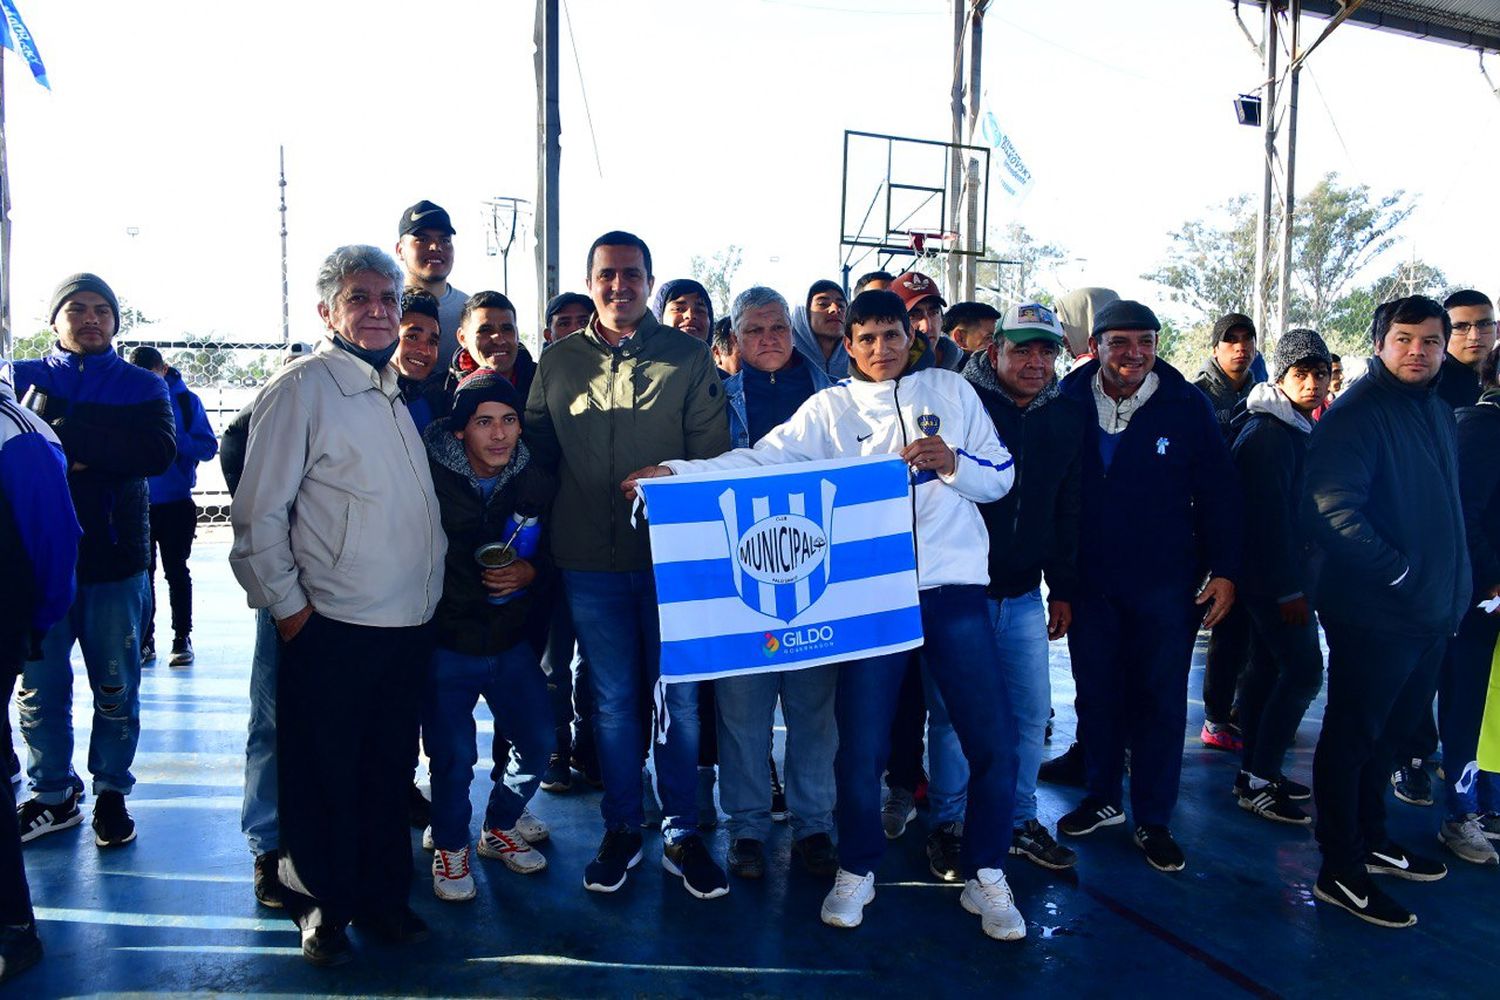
x=117, y=428
x=492, y=497
x=1383, y=502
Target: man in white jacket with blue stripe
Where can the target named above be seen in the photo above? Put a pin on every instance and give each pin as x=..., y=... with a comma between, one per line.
x=896, y=402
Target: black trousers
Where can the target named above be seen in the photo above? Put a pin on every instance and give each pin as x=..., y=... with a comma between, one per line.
x=1228, y=655
x=907, y=731
x=15, y=894
x=1284, y=676
x=347, y=700
x=173, y=526
x=1379, y=683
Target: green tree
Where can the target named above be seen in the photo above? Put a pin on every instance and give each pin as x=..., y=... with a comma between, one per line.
x=1347, y=327
x=1021, y=280
x=1210, y=267
x=716, y=274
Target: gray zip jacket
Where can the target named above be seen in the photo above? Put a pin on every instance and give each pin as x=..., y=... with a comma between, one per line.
x=336, y=507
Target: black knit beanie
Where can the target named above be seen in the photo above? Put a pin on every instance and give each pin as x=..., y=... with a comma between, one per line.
x=83, y=282
x=1295, y=347
x=1232, y=321
x=482, y=386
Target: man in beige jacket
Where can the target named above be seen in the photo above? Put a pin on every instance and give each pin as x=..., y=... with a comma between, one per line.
x=337, y=533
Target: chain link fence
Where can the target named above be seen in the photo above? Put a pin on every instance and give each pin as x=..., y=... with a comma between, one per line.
x=226, y=376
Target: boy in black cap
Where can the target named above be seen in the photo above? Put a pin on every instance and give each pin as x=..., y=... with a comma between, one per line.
x=492, y=498
x=1286, y=663
x=566, y=313
x=424, y=247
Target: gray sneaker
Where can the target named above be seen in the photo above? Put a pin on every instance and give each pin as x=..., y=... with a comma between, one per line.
x=899, y=809
x=1490, y=824
x=1467, y=840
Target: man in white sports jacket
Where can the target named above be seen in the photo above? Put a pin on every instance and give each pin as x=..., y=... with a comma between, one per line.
x=896, y=402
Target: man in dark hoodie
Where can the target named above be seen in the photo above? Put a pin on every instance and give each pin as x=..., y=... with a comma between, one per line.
x=1032, y=530
x=1161, y=508
x=492, y=498
x=421, y=382
x=1383, y=501
x=1226, y=378
x=1286, y=663
x=116, y=427
x=174, y=514
x=684, y=304
x=1472, y=796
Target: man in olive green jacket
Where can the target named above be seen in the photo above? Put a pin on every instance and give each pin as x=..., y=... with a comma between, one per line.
x=623, y=393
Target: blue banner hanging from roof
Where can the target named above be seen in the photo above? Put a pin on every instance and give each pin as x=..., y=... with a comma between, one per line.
x=17, y=37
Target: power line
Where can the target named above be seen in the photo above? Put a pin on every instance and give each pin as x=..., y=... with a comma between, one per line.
x=588, y=116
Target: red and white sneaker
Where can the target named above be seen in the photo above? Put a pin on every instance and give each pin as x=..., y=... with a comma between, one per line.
x=451, y=879
x=510, y=847
x=1217, y=736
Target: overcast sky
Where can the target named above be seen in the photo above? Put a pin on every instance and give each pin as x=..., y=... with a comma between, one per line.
x=713, y=123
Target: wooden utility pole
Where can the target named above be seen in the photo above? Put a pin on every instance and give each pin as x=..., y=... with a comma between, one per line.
x=955, y=152
x=286, y=323
x=549, y=153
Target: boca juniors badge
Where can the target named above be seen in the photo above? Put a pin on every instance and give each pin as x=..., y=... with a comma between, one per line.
x=928, y=423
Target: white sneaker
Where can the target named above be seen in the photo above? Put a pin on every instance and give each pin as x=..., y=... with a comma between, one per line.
x=1467, y=840
x=844, y=906
x=989, y=897
x=532, y=829
x=451, y=879
x=427, y=844
x=510, y=847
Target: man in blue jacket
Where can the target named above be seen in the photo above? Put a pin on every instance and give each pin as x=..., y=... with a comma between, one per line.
x=1383, y=502
x=116, y=427
x=1156, y=477
x=39, y=550
x=174, y=515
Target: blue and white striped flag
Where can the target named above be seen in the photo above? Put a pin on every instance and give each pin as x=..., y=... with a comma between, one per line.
x=783, y=567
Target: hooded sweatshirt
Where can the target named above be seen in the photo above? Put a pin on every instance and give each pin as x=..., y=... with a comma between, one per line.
x=1229, y=402
x=1270, y=451
x=1076, y=311
x=835, y=365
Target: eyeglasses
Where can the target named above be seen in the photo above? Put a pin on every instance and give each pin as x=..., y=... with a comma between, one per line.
x=1483, y=326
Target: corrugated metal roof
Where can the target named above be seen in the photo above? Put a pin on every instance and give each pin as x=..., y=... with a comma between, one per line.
x=1468, y=23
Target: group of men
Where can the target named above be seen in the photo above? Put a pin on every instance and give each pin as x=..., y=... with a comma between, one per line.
x=425, y=515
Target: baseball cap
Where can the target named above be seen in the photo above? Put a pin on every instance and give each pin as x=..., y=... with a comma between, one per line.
x=914, y=286
x=425, y=215
x=1030, y=321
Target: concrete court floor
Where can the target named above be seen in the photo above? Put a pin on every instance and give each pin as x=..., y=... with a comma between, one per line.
x=173, y=912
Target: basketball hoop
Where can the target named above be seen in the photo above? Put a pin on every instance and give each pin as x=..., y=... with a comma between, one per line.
x=930, y=242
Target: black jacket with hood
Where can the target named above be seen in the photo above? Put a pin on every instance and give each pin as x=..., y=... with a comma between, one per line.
x=1270, y=450
x=1479, y=487
x=1033, y=529
x=465, y=621
x=1383, y=508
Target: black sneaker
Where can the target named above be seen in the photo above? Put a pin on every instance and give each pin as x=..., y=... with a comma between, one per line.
x=1064, y=769
x=401, y=928
x=113, y=826
x=1391, y=858
x=817, y=854
x=418, y=809
x=943, y=847
x=779, y=811
x=1047, y=734
x=267, y=881
x=689, y=859
x=1294, y=790
x=1412, y=783
x=1032, y=841
x=559, y=776
x=148, y=653
x=1268, y=802
x=37, y=818
x=747, y=858
x=182, y=652
x=20, y=949
x=619, y=852
x=1358, y=894
x=326, y=946
x=1092, y=813
x=1162, y=851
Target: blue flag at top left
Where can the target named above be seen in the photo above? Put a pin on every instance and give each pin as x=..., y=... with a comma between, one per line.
x=17, y=37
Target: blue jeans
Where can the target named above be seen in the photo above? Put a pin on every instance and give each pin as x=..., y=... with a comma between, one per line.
x=515, y=689
x=258, y=813
x=1020, y=630
x=619, y=634
x=747, y=710
x=104, y=621
x=959, y=653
